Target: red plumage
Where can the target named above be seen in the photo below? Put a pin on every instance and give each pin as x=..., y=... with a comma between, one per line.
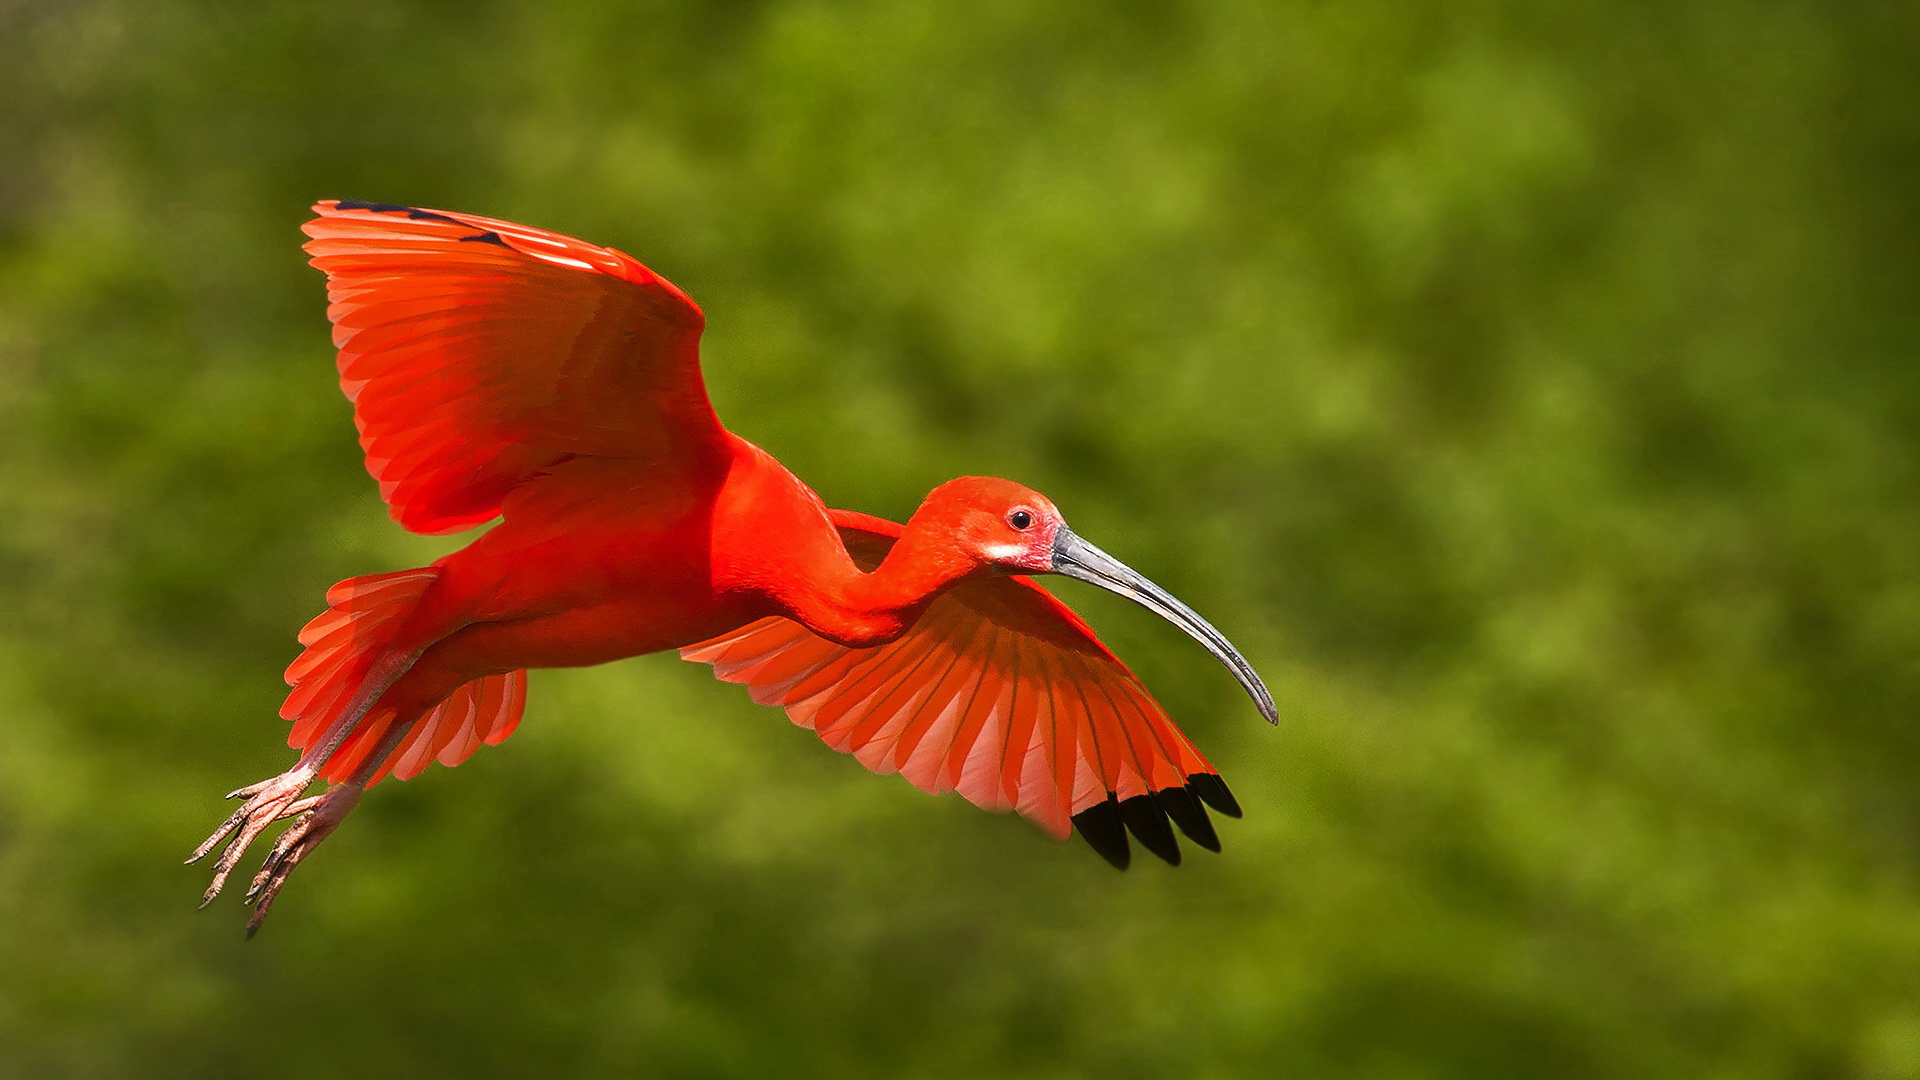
x=499, y=371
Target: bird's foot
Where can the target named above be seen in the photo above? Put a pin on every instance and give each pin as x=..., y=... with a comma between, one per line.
x=267, y=802
x=319, y=816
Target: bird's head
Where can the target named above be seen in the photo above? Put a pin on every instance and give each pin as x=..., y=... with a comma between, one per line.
x=997, y=525
x=1008, y=528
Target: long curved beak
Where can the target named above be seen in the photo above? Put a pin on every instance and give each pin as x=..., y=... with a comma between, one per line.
x=1076, y=558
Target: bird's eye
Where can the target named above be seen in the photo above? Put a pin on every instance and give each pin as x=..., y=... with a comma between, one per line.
x=1020, y=519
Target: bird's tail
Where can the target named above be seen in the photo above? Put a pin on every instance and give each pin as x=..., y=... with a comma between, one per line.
x=344, y=644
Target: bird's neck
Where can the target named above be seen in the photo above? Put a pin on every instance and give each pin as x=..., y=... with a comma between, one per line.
x=861, y=609
x=782, y=547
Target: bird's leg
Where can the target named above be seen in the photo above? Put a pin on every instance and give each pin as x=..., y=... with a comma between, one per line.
x=267, y=802
x=319, y=815
x=277, y=797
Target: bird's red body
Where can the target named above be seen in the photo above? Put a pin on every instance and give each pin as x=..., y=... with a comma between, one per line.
x=503, y=372
x=613, y=560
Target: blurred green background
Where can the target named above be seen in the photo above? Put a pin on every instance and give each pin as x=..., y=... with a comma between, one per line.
x=1530, y=390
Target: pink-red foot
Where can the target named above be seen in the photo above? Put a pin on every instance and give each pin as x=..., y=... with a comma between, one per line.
x=319, y=816
x=267, y=802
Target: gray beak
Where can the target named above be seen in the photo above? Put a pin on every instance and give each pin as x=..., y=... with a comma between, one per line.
x=1076, y=558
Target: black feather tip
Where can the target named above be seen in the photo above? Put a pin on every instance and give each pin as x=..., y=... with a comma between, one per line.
x=1188, y=813
x=1210, y=789
x=1099, y=825
x=1148, y=824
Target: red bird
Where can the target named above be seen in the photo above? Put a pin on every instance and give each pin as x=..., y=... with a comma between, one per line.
x=498, y=371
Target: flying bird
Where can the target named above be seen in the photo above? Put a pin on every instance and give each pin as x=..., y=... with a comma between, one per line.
x=501, y=371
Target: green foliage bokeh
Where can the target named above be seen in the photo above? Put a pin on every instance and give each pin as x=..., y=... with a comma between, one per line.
x=1530, y=390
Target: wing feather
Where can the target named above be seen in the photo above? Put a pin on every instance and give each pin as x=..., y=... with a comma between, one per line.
x=979, y=746
x=512, y=706
x=922, y=754
x=888, y=710
x=961, y=672
x=479, y=353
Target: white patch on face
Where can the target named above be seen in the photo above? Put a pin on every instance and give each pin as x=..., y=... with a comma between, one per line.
x=1005, y=552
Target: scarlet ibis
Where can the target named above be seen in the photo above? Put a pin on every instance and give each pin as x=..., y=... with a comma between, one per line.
x=501, y=371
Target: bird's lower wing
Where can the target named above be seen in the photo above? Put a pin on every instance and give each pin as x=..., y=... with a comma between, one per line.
x=1000, y=693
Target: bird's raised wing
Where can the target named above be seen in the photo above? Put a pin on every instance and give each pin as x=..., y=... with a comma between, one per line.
x=999, y=692
x=479, y=352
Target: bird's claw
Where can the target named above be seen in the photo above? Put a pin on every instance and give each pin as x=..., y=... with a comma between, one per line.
x=302, y=814
x=267, y=802
x=318, y=817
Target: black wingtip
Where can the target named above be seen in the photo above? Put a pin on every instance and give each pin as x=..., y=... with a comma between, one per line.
x=1151, y=820
x=375, y=207
x=1099, y=825
x=413, y=212
x=1212, y=790
x=1148, y=823
x=1187, y=812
